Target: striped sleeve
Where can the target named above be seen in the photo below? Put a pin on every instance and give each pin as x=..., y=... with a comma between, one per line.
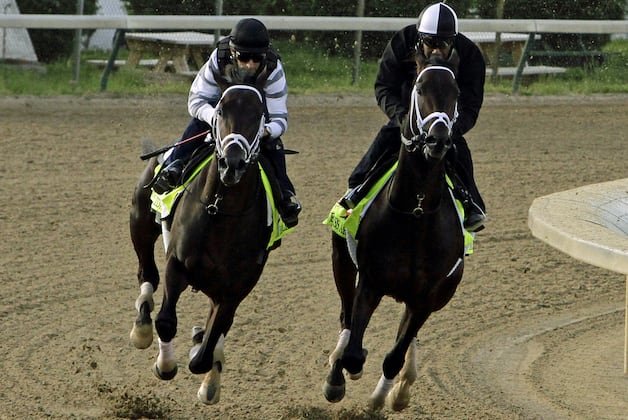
x=204, y=92
x=276, y=91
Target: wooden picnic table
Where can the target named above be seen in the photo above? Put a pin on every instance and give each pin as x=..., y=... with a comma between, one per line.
x=512, y=43
x=171, y=47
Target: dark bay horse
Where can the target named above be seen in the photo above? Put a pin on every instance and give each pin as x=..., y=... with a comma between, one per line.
x=216, y=241
x=410, y=244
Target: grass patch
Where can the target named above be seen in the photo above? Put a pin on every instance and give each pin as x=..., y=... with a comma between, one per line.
x=309, y=69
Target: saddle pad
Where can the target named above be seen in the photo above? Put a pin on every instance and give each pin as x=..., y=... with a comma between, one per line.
x=345, y=222
x=163, y=205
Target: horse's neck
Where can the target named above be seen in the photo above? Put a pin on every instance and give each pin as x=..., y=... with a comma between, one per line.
x=417, y=180
x=236, y=198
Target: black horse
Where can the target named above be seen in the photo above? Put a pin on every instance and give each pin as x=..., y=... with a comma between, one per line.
x=410, y=244
x=216, y=241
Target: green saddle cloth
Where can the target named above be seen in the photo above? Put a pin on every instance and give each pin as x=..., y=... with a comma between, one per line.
x=345, y=222
x=163, y=204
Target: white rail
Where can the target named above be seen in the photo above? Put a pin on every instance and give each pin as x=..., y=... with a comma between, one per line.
x=316, y=23
x=590, y=224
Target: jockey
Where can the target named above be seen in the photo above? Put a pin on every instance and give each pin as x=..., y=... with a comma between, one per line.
x=435, y=34
x=247, y=49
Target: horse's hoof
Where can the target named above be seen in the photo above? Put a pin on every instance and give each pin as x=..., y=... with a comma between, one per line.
x=164, y=376
x=208, y=394
x=141, y=335
x=334, y=386
x=333, y=393
x=355, y=376
x=399, y=397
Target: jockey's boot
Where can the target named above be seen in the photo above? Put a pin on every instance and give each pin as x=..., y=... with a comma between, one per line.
x=169, y=177
x=474, y=217
x=351, y=198
x=289, y=209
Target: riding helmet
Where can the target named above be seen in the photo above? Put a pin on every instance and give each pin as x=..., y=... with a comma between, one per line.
x=249, y=35
x=438, y=20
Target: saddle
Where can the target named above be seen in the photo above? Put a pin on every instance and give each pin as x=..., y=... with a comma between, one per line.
x=346, y=223
x=164, y=205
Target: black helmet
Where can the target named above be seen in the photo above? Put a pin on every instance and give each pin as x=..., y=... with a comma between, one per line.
x=438, y=20
x=249, y=35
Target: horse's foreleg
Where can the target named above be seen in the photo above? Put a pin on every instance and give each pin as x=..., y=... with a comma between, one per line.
x=218, y=324
x=399, y=397
x=209, y=392
x=354, y=355
x=401, y=356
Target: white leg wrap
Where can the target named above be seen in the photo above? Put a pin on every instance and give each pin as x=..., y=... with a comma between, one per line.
x=146, y=295
x=384, y=385
x=166, y=350
x=343, y=340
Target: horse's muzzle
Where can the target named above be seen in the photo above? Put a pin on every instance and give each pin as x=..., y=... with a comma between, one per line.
x=435, y=147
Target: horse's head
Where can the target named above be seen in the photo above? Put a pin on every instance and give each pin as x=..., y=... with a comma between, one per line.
x=237, y=127
x=433, y=109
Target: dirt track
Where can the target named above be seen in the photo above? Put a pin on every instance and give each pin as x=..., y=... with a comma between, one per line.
x=530, y=333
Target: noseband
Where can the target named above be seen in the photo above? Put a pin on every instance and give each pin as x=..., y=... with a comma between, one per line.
x=435, y=117
x=251, y=148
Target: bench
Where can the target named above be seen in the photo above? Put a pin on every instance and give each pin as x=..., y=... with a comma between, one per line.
x=514, y=44
x=531, y=49
x=173, y=48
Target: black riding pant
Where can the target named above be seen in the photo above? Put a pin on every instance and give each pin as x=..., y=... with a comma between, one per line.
x=184, y=151
x=387, y=144
x=273, y=150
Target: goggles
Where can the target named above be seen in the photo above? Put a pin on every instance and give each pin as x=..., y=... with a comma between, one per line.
x=245, y=57
x=435, y=42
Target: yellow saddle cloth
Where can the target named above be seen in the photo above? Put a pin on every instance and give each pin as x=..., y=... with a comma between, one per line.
x=164, y=204
x=345, y=222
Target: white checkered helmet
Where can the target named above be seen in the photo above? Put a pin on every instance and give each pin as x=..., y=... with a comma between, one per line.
x=438, y=20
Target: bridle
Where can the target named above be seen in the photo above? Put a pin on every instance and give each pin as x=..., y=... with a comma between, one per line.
x=250, y=148
x=435, y=117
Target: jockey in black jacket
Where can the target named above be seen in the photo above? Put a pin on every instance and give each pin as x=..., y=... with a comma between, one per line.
x=436, y=33
x=247, y=49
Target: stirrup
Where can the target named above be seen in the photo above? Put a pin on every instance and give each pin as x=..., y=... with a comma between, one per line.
x=351, y=198
x=289, y=211
x=168, y=178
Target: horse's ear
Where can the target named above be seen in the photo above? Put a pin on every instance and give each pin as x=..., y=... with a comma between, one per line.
x=221, y=80
x=454, y=60
x=421, y=61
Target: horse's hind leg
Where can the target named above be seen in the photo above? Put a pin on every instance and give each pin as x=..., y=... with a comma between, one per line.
x=399, y=397
x=166, y=322
x=344, y=277
x=144, y=234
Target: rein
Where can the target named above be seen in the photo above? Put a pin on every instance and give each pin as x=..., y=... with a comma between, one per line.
x=251, y=149
x=213, y=208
